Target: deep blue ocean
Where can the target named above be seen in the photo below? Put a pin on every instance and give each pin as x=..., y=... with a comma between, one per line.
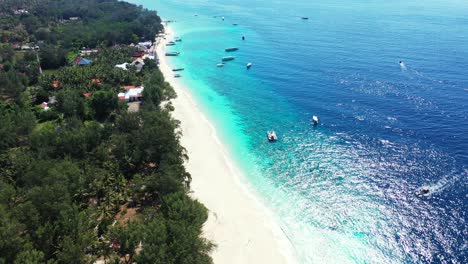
x=345, y=190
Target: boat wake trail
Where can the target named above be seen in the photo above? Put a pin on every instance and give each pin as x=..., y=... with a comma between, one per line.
x=446, y=182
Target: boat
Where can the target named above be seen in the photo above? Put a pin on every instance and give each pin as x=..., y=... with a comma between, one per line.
x=228, y=58
x=249, y=65
x=178, y=69
x=178, y=40
x=243, y=37
x=235, y=24
x=220, y=65
x=272, y=137
x=222, y=18
x=170, y=43
x=177, y=75
x=424, y=191
x=231, y=49
x=175, y=53
x=315, y=120
x=304, y=18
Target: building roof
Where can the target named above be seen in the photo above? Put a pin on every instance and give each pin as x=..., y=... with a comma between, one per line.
x=87, y=94
x=138, y=61
x=138, y=54
x=122, y=66
x=131, y=93
x=84, y=61
x=76, y=60
x=127, y=87
x=44, y=106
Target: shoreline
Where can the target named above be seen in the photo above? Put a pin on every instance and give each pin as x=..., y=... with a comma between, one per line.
x=238, y=223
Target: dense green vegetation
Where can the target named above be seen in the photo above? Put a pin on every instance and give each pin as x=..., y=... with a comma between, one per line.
x=87, y=179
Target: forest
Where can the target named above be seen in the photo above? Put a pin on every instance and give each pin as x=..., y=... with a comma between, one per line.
x=85, y=179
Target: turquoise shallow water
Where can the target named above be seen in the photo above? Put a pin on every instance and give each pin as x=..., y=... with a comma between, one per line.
x=344, y=191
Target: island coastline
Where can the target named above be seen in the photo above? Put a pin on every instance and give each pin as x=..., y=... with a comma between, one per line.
x=238, y=224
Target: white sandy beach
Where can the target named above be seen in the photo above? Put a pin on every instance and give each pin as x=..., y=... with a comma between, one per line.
x=237, y=222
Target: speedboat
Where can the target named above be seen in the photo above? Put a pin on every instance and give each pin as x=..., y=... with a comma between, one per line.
x=170, y=43
x=315, y=119
x=304, y=18
x=220, y=65
x=228, y=58
x=249, y=65
x=271, y=135
x=177, y=75
x=231, y=49
x=235, y=24
x=424, y=191
x=177, y=69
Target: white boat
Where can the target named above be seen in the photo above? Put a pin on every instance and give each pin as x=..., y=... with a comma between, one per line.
x=220, y=65
x=271, y=135
x=315, y=119
x=249, y=65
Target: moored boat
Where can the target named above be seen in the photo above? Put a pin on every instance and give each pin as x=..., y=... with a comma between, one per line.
x=177, y=75
x=231, y=49
x=228, y=58
x=220, y=65
x=272, y=137
x=178, y=69
x=170, y=43
x=175, y=53
x=304, y=18
x=249, y=65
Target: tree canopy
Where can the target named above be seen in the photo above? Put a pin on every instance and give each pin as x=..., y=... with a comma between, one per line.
x=82, y=178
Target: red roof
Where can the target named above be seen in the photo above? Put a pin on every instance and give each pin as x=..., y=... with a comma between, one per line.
x=115, y=245
x=87, y=94
x=127, y=87
x=56, y=84
x=138, y=54
x=77, y=60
